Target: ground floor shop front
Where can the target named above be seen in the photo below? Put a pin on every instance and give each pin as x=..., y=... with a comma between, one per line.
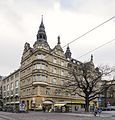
x=54, y=104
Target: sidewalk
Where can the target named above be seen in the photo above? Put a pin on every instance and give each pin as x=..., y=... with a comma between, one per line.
x=103, y=114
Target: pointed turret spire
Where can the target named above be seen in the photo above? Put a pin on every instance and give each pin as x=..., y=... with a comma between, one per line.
x=41, y=36
x=42, y=25
x=68, y=52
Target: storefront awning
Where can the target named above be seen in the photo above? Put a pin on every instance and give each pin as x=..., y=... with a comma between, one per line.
x=79, y=102
x=47, y=102
x=58, y=105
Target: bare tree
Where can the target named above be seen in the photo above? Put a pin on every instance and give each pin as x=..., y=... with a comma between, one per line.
x=85, y=80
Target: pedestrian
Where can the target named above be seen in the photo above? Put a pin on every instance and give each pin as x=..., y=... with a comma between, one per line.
x=95, y=111
x=44, y=108
x=99, y=111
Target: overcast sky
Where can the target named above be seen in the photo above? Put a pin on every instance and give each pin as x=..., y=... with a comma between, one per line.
x=20, y=20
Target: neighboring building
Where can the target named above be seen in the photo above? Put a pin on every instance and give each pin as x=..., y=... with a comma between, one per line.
x=1, y=100
x=108, y=96
x=10, y=90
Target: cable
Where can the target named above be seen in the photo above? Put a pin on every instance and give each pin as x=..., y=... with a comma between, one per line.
x=97, y=48
x=89, y=31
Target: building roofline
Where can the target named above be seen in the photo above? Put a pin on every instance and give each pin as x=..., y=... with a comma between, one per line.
x=11, y=74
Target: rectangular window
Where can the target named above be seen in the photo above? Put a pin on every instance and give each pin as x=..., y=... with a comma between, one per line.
x=45, y=78
x=12, y=86
x=54, y=60
x=54, y=70
x=59, y=92
x=39, y=78
x=43, y=56
x=17, y=75
x=7, y=79
x=8, y=87
x=4, y=94
x=38, y=66
x=62, y=63
x=34, y=91
x=4, y=81
x=4, y=88
x=62, y=82
x=62, y=72
x=12, y=77
x=8, y=93
x=40, y=56
x=16, y=91
x=43, y=66
x=53, y=81
x=16, y=84
x=48, y=91
x=12, y=92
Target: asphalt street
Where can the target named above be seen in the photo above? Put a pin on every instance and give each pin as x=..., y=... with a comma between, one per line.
x=55, y=116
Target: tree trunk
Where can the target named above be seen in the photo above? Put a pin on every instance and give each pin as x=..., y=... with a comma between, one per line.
x=86, y=104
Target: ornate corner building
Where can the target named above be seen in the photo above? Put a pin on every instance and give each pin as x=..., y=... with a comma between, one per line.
x=43, y=72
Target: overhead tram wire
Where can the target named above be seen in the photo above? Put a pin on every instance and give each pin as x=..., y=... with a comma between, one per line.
x=89, y=31
x=97, y=48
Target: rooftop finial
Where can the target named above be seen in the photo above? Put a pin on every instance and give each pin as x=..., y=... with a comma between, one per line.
x=59, y=40
x=42, y=19
x=68, y=46
x=91, y=57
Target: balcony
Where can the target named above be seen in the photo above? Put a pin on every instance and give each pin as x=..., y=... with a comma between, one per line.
x=41, y=83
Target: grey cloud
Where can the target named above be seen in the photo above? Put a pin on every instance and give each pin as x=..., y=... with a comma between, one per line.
x=97, y=7
x=71, y=4
x=16, y=11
